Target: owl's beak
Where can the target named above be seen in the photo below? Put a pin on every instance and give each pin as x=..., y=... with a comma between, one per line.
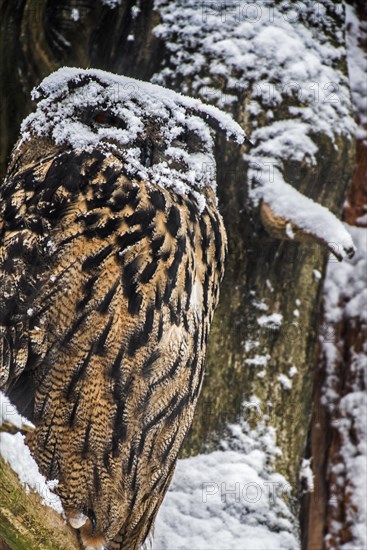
x=146, y=155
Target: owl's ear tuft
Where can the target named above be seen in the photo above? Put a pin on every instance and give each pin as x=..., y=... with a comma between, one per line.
x=214, y=118
x=38, y=93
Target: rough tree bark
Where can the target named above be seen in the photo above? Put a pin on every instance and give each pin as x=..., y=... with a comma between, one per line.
x=25, y=523
x=36, y=38
x=332, y=504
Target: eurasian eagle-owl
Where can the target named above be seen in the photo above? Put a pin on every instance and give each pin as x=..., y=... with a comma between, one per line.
x=111, y=254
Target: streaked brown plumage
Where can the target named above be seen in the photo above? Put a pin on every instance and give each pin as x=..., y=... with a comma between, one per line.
x=108, y=287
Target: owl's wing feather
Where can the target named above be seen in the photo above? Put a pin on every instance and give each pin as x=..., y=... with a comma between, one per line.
x=110, y=311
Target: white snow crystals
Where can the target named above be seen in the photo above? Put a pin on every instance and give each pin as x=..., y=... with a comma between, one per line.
x=229, y=498
x=306, y=476
x=266, y=48
x=345, y=301
x=111, y=3
x=278, y=55
x=69, y=98
x=17, y=454
x=356, y=35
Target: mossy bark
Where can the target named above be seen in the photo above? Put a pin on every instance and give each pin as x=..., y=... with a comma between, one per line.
x=27, y=524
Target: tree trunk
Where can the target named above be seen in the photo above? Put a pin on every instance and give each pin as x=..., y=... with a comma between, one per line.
x=262, y=274
x=332, y=514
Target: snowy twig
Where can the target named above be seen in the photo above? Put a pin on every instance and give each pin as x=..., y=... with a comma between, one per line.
x=10, y=428
x=288, y=228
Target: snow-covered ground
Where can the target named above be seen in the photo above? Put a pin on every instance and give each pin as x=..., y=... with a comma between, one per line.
x=229, y=498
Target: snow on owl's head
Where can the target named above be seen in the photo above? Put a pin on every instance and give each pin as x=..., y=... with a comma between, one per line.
x=160, y=135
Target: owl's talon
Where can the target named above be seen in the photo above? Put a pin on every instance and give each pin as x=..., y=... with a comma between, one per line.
x=77, y=519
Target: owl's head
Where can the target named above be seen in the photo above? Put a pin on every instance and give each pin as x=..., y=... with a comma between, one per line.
x=160, y=135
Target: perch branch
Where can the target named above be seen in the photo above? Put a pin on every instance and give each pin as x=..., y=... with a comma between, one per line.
x=26, y=523
x=10, y=428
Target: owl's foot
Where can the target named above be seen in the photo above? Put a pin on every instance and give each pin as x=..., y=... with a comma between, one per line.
x=77, y=519
x=86, y=524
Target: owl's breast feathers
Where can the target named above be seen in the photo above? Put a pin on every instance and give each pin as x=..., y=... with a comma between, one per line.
x=108, y=287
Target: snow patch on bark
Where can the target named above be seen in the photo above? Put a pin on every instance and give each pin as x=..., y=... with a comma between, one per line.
x=14, y=451
x=357, y=67
x=345, y=303
x=279, y=57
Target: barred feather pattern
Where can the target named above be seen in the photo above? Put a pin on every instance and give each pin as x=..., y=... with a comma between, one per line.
x=107, y=291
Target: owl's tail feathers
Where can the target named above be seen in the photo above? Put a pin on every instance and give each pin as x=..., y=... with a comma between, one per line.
x=122, y=543
x=92, y=540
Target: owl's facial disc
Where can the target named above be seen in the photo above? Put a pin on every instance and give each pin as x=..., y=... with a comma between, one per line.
x=160, y=136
